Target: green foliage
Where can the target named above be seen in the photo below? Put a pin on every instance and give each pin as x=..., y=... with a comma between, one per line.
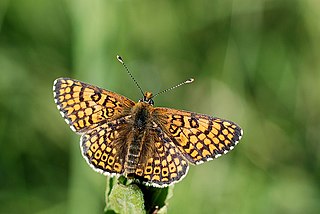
x=254, y=62
x=124, y=197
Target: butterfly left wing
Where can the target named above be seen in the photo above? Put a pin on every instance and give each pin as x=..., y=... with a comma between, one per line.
x=84, y=106
x=199, y=137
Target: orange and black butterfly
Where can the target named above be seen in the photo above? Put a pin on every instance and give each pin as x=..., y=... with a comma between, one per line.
x=138, y=140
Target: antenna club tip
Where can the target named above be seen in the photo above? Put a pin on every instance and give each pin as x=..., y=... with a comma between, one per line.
x=120, y=59
x=190, y=80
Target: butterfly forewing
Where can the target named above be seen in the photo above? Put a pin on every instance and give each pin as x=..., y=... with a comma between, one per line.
x=84, y=106
x=199, y=137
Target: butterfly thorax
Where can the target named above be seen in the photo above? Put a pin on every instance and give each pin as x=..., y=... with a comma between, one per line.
x=138, y=136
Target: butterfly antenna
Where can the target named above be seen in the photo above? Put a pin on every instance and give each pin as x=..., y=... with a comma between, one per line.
x=169, y=89
x=124, y=65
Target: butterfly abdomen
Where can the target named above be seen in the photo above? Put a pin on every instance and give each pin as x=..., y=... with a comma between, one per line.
x=137, y=136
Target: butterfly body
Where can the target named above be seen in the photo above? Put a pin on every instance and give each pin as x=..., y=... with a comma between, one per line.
x=136, y=139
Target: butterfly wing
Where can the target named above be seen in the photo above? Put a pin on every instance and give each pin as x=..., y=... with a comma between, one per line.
x=104, y=147
x=84, y=106
x=199, y=137
x=164, y=164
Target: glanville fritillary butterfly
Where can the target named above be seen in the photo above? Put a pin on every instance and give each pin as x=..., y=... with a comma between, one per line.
x=152, y=144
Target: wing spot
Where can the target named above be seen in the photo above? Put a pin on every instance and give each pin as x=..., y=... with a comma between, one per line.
x=225, y=131
x=173, y=175
x=172, y=167
x=193, y=139
x=110, y=160
x=69, y=82
x=81, y=123
x=94, y=139
x=212, y=148
x=165, y=172
x=157, y=162
x=177, y=161
x=61, y=99
x=230, y=136
x=94, y=147
x=164, y=163
x=101, y=140
x=202, y=136
x=148, y=170
x=94, y=162
x=147, y=177
x=205, y=153
x=68, y=96
x=80, y=114
x=97, y=155
x=89, y=153
x=193, y=122
x=165, y=179
x=217, y=126
x=157, y=170
x=139, y=172
x=88, y=111
x=156, y=178
x=199, y=146
x=104, y=157
x=76, y=107
x=227, y=142
x=221, y=137
x=194, y=153
x=67, y=90
x=77, y=88
x=216, y=140
x=207, y=141
x=102, y=164
x=226, y=123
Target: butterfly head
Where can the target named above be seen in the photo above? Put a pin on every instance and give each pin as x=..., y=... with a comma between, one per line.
x=147, y=98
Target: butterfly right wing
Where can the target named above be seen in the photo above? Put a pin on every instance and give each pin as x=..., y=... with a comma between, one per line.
x=199, y=137
x=84, y=106
x=162, y=164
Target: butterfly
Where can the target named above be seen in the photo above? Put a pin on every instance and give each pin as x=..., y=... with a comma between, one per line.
x=137, y=140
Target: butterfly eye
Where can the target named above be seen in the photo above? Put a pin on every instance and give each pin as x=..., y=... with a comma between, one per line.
x=151, y=102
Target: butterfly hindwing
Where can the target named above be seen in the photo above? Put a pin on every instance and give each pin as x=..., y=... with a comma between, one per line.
x=104, y=147
x=165, y=164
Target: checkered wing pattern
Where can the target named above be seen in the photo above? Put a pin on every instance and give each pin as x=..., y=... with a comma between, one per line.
x=104, y=147
x=198, y=137
x=165, y=164
x=156, y=145
x=84, y=106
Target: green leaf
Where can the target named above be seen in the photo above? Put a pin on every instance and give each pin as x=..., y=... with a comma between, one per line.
x=123, y=196
x=125, y=199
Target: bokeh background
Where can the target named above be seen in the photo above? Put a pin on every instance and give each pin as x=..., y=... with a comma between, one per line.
x=255, y=62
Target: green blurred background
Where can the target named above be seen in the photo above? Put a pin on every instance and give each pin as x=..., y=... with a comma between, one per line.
x=255, y=62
